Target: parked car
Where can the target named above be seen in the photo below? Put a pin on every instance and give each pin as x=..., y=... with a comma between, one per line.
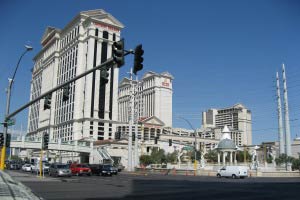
x=114, y=170
x=120, y=167
x=59, y=169
x=95, y=169
x=233, y=171
x=14, y=166
x=103, y=170
x=80, y=169
x=26, y=168
x=35, y=168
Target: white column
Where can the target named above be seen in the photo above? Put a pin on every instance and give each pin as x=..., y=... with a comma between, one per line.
x=224, y=161
x=218, y=157
x=235, y=161
x=286, y=115
x=231, y=157
x=279, y=109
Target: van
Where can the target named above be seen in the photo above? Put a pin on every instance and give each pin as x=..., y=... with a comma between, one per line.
x=233, y=172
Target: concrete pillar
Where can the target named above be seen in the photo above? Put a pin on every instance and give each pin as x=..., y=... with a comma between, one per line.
x=224, y=161
x=235, y=161
x=218, y=157
x=231, y=157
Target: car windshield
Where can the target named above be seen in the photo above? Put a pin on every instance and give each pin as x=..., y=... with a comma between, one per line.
x=82, y=166
x=106, y=166
x=62, y=166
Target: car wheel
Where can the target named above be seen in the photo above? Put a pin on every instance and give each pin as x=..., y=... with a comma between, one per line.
x=233, y=176
x=219, y=175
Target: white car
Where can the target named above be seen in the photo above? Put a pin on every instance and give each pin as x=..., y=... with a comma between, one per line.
x=36, y=168
x=26, y=168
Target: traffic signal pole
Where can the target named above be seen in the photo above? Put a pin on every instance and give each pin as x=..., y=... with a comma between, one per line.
x=41, y=159
x=103, y=66
x=136, y=112
x=130, y=124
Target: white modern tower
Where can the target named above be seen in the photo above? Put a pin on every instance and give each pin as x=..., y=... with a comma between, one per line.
x=280, y=125
x=286, y=115
x=91, y=112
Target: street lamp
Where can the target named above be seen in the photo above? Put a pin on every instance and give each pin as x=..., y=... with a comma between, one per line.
x=8, y=93
x=195, y=146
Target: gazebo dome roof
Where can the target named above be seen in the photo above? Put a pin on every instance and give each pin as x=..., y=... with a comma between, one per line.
x=226, y=144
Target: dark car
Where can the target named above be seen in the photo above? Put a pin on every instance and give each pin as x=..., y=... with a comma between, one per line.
x=14, y=166
x=95, y=169
x=103, y=170
x=59, y=169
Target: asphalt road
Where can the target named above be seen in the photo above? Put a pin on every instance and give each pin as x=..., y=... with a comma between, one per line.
x=159, y=187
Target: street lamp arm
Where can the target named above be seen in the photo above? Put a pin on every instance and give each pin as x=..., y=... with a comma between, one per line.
x=187, y=121
x=28, y=48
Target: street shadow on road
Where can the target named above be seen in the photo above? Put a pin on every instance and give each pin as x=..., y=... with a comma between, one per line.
x=183, y=189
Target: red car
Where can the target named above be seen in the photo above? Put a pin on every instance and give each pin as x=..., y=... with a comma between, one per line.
x=80, y=169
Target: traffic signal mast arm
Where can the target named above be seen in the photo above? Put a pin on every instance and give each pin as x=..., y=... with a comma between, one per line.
x=99, y=67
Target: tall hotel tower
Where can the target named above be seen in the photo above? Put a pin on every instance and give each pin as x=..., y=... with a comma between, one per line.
x=92, y=108
x=153, y=98
x=237, y=118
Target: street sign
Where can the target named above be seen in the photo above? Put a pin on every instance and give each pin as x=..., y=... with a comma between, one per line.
x=11, y=122
x=188, y=148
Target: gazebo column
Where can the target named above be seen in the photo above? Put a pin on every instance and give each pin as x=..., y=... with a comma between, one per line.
x=230, y=156
x=235, y=161
x=224, y=161
x=219, y=158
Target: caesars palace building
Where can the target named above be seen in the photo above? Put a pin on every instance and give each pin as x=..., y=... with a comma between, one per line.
x=92, y=107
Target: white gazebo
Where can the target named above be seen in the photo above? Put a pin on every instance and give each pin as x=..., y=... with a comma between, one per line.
x=226, y=146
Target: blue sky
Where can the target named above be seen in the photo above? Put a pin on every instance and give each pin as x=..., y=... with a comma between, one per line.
x=220, y=52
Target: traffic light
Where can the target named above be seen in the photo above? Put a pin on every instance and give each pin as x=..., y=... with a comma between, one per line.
x=118, y=52
x=47, y=102
x=45, y=140
x=138, y=59
x=170, y=142
x=66, y=93
x=8, y=138
x=104, y=74
x=1, y=139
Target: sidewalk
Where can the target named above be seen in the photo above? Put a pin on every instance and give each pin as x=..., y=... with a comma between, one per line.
x=14, y=190
x=29, y=177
